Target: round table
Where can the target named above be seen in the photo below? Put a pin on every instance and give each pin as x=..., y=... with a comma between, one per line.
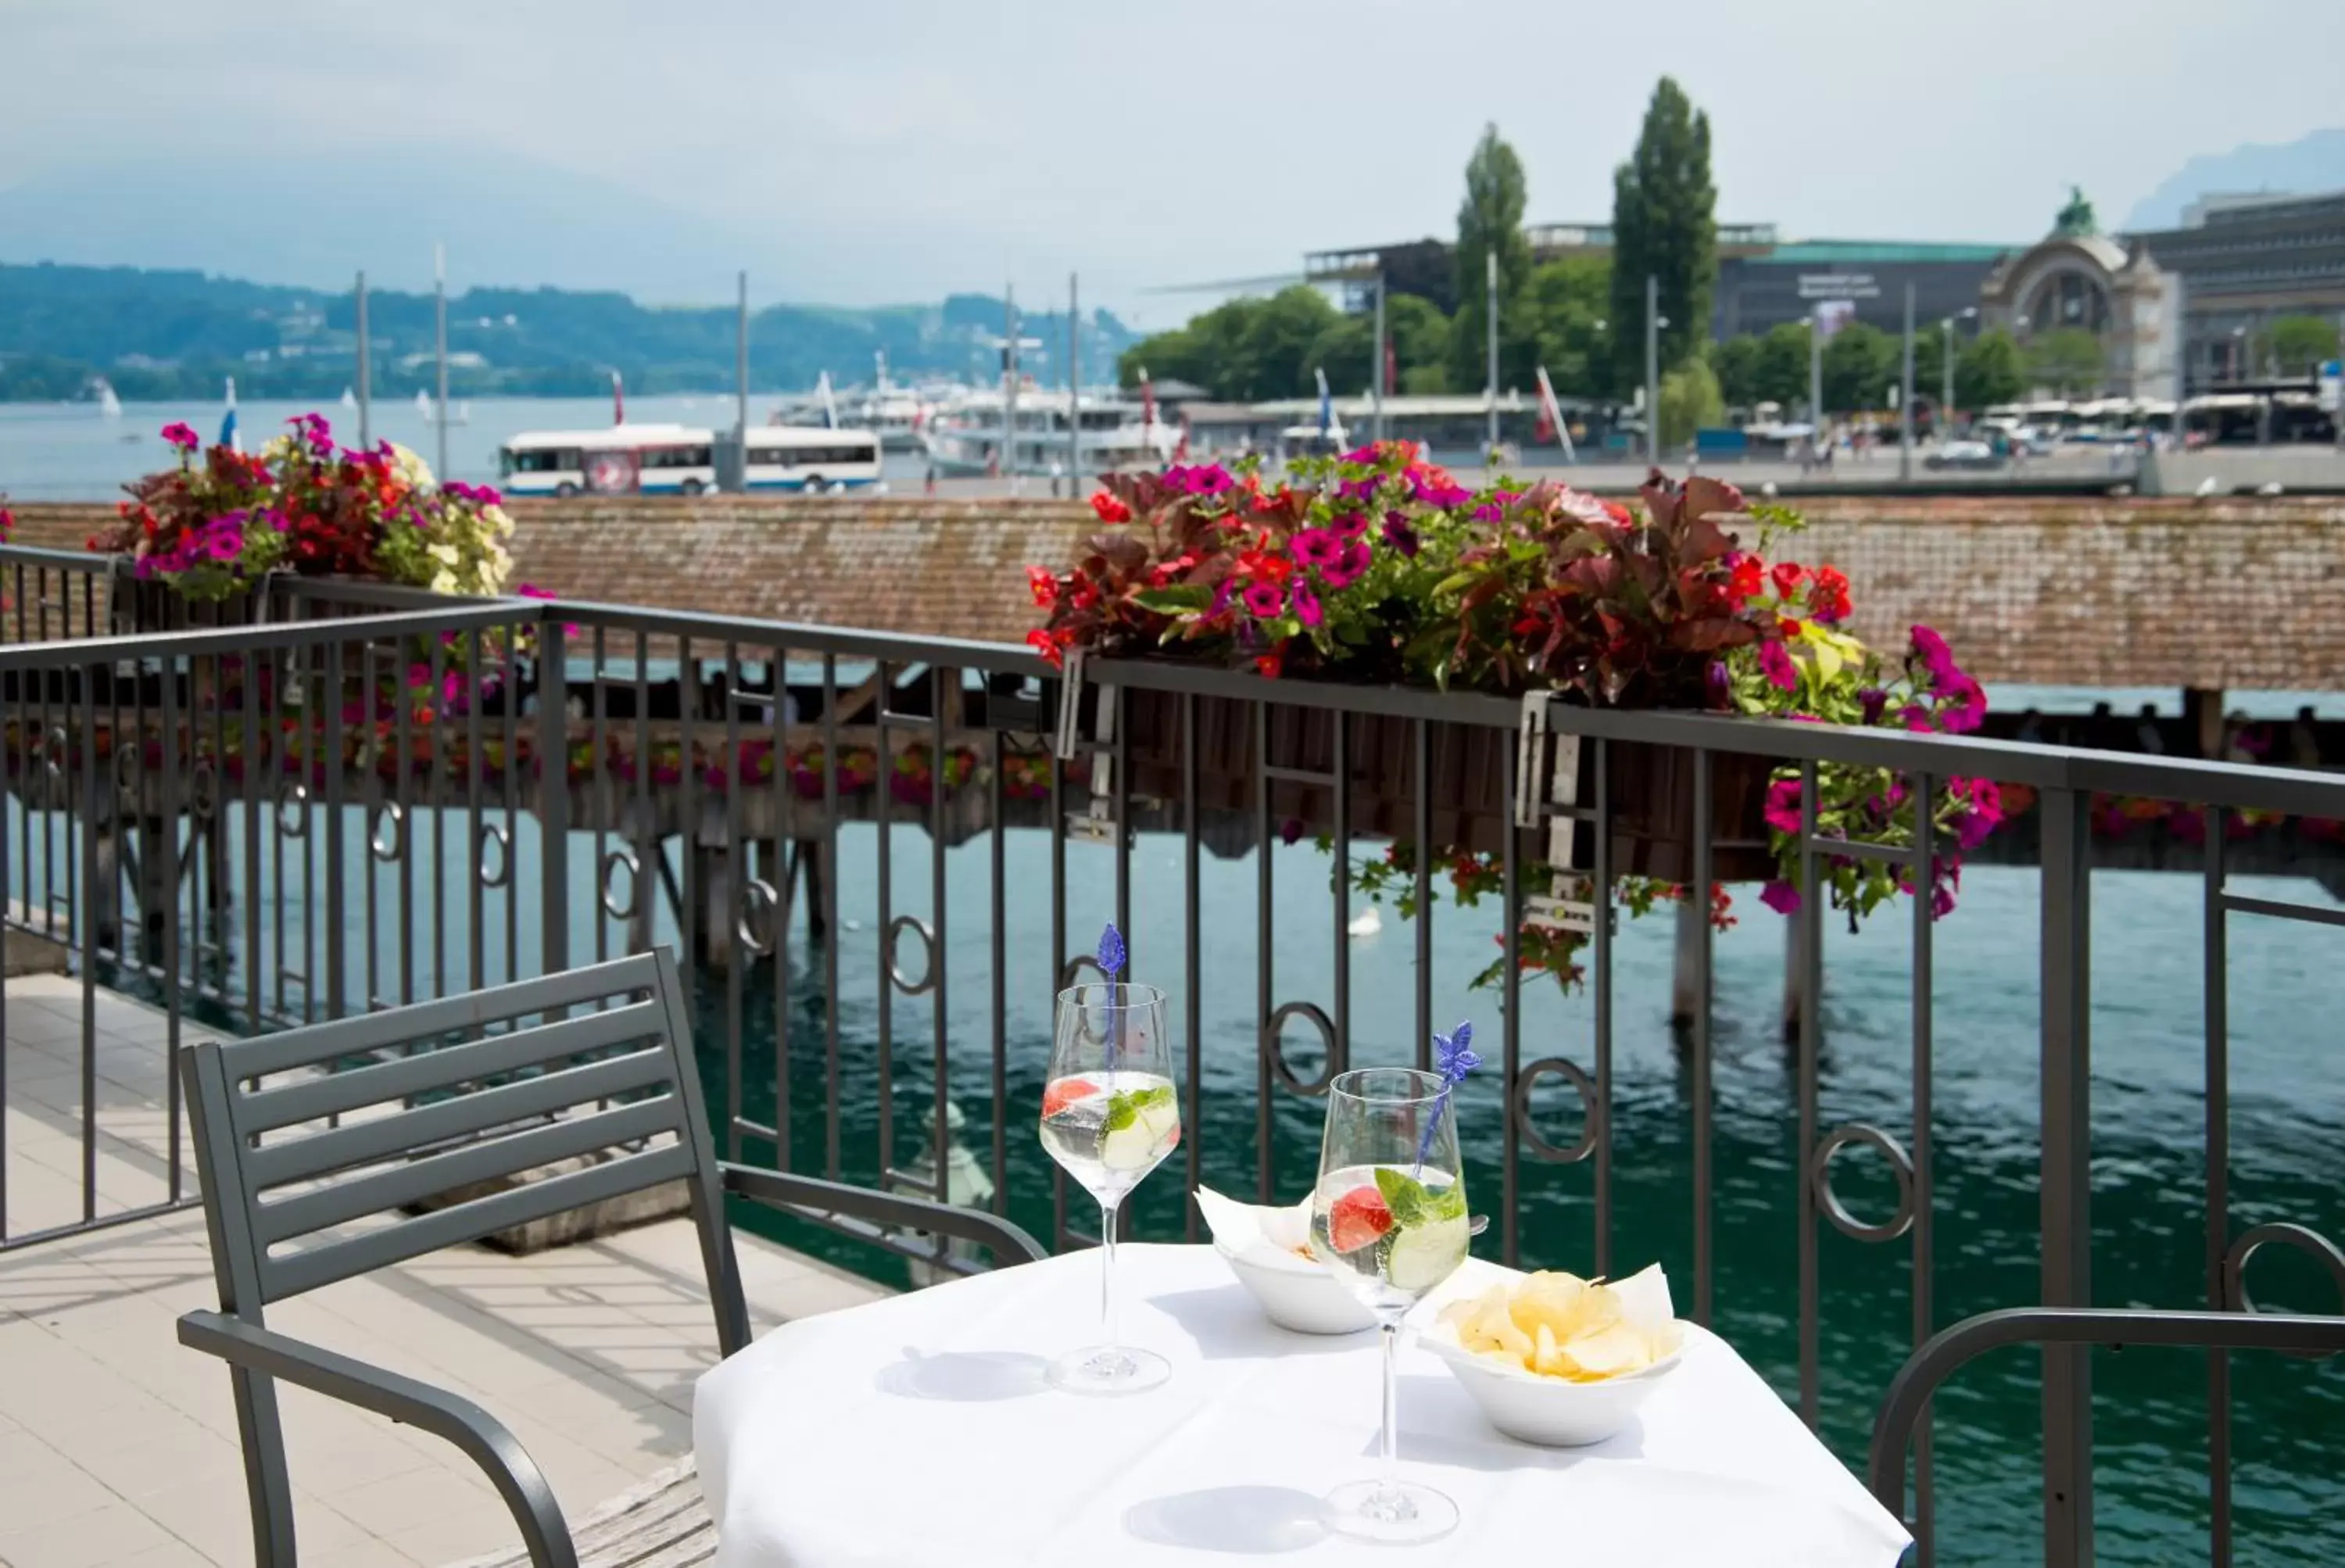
x=918, y=1431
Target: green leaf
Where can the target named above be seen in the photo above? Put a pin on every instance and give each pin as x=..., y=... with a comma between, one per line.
x=1174, y=599
x=1413, y=1203
x=1124, y=1107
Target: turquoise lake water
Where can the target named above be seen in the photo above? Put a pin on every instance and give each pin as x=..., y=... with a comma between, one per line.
x=2287, y=1128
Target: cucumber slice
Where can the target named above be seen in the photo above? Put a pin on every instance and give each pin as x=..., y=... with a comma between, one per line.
x=1423, y=1256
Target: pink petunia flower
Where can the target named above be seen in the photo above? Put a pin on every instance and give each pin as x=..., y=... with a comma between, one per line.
x=1345, y=568
x=1778, y=667
x=1782, y=811
x=1780, y=897
x=1316, y=548
x=1306, y=607
x=1265, y=600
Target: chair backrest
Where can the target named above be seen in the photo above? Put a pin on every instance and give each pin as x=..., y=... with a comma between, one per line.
x=300, y=1134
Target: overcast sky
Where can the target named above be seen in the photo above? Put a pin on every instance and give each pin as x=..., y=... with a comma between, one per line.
x=868, y=151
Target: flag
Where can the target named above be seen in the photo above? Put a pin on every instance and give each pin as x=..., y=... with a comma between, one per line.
x=1326, y=405
x=618, y=400
x=830, y=404
x=1392, y=369
x=227, y=436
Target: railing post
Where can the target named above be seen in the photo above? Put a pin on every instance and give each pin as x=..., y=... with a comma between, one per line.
x=554, y=792
x=2066, y=1176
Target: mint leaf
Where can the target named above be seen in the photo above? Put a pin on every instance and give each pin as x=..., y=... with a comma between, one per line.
x=1123, y=1107
x=1413, y=1203
x=1405, y=1198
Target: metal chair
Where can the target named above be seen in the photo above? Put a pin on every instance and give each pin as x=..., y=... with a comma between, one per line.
x=300, y=1134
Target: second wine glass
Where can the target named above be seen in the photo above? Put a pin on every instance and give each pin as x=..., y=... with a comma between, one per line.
x=1110, y=1115
x=1388, y=1219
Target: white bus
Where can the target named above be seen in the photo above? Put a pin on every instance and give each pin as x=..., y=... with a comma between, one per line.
x=625, y=459
x=807, y=458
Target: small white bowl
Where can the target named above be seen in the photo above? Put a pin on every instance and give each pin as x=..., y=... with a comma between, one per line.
x=1552, y=1413
x=1299, y=1295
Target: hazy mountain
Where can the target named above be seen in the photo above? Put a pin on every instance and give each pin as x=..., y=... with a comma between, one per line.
x=2312, y=162
x=503, y=220
x=162, y=334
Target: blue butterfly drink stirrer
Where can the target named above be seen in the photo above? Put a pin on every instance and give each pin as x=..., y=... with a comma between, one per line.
x=1453, y=1058
x=1111, y=960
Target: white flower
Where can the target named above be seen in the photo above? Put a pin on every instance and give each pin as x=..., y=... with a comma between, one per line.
x=499, y=519
x=409, y=466
x=443, y=582
x=444, y=553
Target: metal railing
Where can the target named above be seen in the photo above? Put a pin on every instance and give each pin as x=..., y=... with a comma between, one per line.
x=347, y=801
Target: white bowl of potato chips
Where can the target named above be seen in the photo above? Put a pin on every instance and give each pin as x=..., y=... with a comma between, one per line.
x=1559, y=1360
x=1268, y=1249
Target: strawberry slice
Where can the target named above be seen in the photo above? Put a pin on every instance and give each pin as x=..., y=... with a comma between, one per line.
x=1358, y=1219
x=1065, y=1092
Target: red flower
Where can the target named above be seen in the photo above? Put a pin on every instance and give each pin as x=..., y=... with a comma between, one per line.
x=1828, y=597
x=1042, y=643
x=1271, y=663
x=1748, y=580
x=1044, y=586
x=1109, y=508
x=1789, y=627
x=1788, y=579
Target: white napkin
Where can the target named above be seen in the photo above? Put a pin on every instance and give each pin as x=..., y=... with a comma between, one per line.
x=1270, y=1236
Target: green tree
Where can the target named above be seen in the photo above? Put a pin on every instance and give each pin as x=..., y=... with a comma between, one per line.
x=1665, y=225
x=1245, y=349
x=1489, y=218
x=2298, y=343
x=1419, y=333
x=1781, y=374
x=1860, y=363
x=1988, y=371
x=1736, y=362
x=2066, y=359
x=1561, y=325
x=1690, y=400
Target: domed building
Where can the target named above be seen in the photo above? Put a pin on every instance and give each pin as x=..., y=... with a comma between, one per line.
x=2077, y=281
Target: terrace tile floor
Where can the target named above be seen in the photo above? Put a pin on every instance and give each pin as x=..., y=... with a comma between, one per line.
x=117, y=1445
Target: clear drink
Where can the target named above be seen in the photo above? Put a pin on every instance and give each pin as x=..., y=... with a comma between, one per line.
x=1389, y=1233
x=1109, y=1129
x=1110, y=1115
x=1388, y=1219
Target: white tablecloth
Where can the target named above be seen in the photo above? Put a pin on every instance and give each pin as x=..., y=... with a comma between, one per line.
x=918, y=1431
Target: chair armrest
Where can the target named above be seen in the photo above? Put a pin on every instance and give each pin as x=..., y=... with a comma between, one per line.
x=812, y=1196
x=460, y=1421
x=2116, y=1328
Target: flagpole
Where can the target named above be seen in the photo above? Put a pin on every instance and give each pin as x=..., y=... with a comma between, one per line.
x=439, y=337
x=366, y=375
x=1377, y=369
x=1075, y=388
x=1010, y=385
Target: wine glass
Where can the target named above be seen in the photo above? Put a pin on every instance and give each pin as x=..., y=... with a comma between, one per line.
x=1110, y=1115
x=1388, y=1219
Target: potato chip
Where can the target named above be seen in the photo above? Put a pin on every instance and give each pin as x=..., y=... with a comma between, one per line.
x=1558, y=1325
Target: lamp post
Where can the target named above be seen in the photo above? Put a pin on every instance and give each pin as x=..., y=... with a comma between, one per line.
x=1905, y=397
x=1491, y=314
x=1376, y=368
x=1653, y=369
x=1816, y=376
x=1946, y=404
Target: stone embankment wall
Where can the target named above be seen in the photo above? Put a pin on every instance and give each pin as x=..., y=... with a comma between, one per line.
x=2231, y=594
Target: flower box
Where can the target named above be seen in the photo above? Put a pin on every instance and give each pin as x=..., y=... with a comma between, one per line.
x=1650, y=795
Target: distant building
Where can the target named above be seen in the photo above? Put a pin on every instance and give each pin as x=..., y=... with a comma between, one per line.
x=2244, y=262
x=1786, y=282
x=1763, y=280
x=2078, y=280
